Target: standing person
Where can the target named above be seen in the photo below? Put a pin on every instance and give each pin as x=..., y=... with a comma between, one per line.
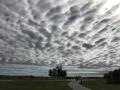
x=81, y=80
x=76, y=78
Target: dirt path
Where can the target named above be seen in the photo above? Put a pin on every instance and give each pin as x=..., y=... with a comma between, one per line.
x=76, y=86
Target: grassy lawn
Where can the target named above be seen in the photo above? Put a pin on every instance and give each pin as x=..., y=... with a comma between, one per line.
x=100, y=85
x=34, y=85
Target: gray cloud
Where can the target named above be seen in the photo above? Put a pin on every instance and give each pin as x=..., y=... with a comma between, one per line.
x=31, y=34
x=58, y=18
x=86, y=22
x=75, y=9
x=54, y=11
x=86, y=6
x=43, y=29
x=100, y=40
x=45, y=33
x=44, y=5
x=76, y=47
x=115, y=39
x=71, y=19
x=103, y=44
x=87, y=46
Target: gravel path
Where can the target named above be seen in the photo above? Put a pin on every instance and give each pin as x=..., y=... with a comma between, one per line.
x=76, y=86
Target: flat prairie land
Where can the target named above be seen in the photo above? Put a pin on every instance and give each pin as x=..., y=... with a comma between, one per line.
x=33, y=85
x=100, y=85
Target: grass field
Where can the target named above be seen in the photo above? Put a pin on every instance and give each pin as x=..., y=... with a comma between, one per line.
x=34, y=85
x=100, y=85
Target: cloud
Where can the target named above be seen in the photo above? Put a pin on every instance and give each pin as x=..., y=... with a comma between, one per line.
x=54, y=11
x=75, y=9
x=44, y=5
x=71, y=19
x=31, y=34
x=82, y=35
x=103, y=44
x=45, y=33
x=76, y=47
x=115, y=39
x=87, y=46
x=86, y=22
x=36, y=31
x=86, y=6
x=100, y=40
x=58, y=18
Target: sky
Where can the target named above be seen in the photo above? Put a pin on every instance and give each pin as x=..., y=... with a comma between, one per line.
x=69, y=32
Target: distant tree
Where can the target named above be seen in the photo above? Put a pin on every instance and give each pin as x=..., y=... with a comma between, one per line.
x=57, y=72
x=113, y=77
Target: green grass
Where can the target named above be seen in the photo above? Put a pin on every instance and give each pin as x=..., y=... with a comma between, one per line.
x=34, y=85
x=100, y=85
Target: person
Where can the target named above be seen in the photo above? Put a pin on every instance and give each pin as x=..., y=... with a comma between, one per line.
x=81, y=80
x=76, y=78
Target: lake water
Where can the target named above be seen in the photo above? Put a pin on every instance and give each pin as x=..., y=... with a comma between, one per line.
x=16, y=69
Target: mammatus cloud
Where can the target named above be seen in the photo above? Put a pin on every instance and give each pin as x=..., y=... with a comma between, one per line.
x=71, y=32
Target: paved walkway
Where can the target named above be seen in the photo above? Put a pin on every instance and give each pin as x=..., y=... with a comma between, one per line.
x=76, y=86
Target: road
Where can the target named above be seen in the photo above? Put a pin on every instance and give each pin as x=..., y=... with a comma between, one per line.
x=76, y=86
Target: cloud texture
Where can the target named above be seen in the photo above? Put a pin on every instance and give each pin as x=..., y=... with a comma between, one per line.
x=71, y=32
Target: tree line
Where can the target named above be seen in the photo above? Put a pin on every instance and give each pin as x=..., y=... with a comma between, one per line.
x=113, y=76
x=57, y=72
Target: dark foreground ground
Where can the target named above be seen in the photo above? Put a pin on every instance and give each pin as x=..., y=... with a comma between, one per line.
x=33, y=85
x=100, y=85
